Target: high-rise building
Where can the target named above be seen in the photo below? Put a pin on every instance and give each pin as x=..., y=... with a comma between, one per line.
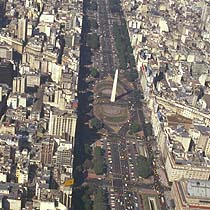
x=18, y=85
x=62, y=123
x=21, y=174
x=191, y=194
x=22, y=168
x=6, y=51
x=22, y=29
x=29, y=29
x=47, y=148
x=64, y=154
x=177, y=168
x=6, y=73
x=204, y=15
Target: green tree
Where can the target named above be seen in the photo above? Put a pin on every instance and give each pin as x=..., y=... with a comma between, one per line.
x=100, y=200
x=79, y=169
x=137, y=94
x=134, y=128
x=98, y=152
x=97, y=124
x=82, y=198
x=90, y=98
x=114, y=6
x=93, y=23
x=93, y=5
x=87, y=201
x=132, y=61
x=87, y=151
x=99, y=165
x=131, y=75
x=144, y=167
x=124, y=48
x=94, y=73
x=87, y=164
x=148, y=129
x=93, y=41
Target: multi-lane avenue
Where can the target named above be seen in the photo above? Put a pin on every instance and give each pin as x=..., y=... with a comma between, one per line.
x=121, y=151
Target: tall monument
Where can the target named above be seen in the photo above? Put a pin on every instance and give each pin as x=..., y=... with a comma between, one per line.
x=114, y=87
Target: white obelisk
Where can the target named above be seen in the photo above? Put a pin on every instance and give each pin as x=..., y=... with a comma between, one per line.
x=114, y=87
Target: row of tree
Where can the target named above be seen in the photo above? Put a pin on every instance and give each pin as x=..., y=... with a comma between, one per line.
x=88, y=151
x=82, y=198
x=100, y=200
x=99, y=164
x=96, y=124
x=134, y=128
x=94, y=72
x=89, y=198
x=125, y=51
x=144, y=166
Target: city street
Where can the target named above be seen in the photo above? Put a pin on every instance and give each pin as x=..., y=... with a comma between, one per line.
x=121, y=150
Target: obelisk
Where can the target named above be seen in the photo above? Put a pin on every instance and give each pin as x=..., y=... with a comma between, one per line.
x=114, y=87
